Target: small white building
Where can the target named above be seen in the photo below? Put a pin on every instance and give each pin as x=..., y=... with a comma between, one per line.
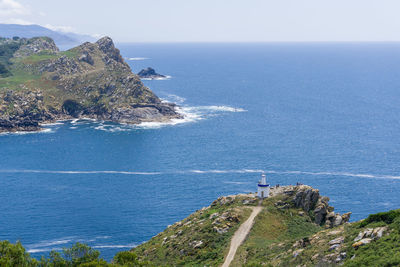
x=263, y=187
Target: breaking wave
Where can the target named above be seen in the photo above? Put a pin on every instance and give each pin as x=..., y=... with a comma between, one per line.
x=42, y=131
x=190, y=114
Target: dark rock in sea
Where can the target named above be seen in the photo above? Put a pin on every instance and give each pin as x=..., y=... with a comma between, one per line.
x=150, y=73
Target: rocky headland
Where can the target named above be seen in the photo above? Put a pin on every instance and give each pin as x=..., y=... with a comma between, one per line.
x=40, y=84
x=296, y=227
x=151, y=74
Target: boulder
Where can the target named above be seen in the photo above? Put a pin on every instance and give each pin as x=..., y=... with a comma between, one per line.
x=336, y=241
x=196, y=244
x=361, y=242
x=338, y=220
x=85, y=57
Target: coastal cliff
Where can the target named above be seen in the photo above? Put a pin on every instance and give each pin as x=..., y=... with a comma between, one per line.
x=40, y=84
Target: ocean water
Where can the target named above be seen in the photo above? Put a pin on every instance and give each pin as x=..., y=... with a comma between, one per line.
x=327, y=115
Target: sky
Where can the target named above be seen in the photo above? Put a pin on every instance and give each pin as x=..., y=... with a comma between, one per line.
x=213, y=20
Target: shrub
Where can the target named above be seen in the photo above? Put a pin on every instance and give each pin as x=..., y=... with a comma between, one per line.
x=386, y=217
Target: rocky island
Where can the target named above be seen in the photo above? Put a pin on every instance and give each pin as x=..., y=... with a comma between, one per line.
x=40, y=84
x=150, y=74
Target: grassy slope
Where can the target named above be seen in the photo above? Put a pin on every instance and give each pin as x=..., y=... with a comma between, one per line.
x=274, y=231
x=272, y=226
x=174, y=246
x=272, y=242
x=23, y=72
x=279, y=237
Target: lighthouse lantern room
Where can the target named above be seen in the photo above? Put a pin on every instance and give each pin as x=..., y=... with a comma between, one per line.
x=263, y=187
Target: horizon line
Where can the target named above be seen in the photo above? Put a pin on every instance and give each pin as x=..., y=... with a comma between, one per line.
x=253, y=42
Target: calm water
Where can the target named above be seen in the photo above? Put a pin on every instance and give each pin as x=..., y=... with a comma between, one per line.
x=321, y=114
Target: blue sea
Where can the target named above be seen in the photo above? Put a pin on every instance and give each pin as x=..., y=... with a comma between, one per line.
x=322, y=114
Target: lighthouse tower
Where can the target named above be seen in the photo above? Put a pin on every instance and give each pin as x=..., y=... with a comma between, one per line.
x=263, y=187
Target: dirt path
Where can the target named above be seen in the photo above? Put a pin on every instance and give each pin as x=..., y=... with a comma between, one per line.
x=240, y=235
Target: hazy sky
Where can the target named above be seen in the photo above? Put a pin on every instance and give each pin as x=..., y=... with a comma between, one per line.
x=214, y=20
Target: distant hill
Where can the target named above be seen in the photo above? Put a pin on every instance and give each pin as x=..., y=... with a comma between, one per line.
x=62, y=39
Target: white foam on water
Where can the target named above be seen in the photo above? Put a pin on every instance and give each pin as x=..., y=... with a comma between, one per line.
x=48, y=245
x=188, y=172
x=136, y=58
x=51, y=243
x=226, y=171
x=53, y=123
x=80, y=172
x=42, y=131
x=173, y=98
x=221, y=108
x=190, y=114
x=167, y=77
x=233, y=182
x=39, y=250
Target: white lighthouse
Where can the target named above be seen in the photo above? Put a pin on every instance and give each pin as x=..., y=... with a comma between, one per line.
x=263, y=187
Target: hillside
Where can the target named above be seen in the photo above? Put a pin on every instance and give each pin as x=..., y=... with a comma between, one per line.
x=40, y=84
x=62, y=39
x=296, y=227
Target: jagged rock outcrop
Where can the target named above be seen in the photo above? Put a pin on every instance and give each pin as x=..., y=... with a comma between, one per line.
x=91, y=80
x=309, y=200
x=22, y=110
x=36, y=45
x=150, y=73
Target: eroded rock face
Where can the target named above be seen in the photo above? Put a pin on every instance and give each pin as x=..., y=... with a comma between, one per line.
x=106, y=45
x=311, y=202
x=22, y=111
x=306, y=199
x=91, y=80
x=309, y=199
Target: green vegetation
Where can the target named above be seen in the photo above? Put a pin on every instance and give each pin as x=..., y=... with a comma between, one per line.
x=7, y=49
x=272, y=242
x=72, y=53
x=382, y=252
x=273, y=233
x=195, y=241
x=281, y=236
x=386, y=217
x=40, y=84
x=79, y=255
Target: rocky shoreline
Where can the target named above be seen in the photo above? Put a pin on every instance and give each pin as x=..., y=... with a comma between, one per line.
x=29, y=117
x=89, y=81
